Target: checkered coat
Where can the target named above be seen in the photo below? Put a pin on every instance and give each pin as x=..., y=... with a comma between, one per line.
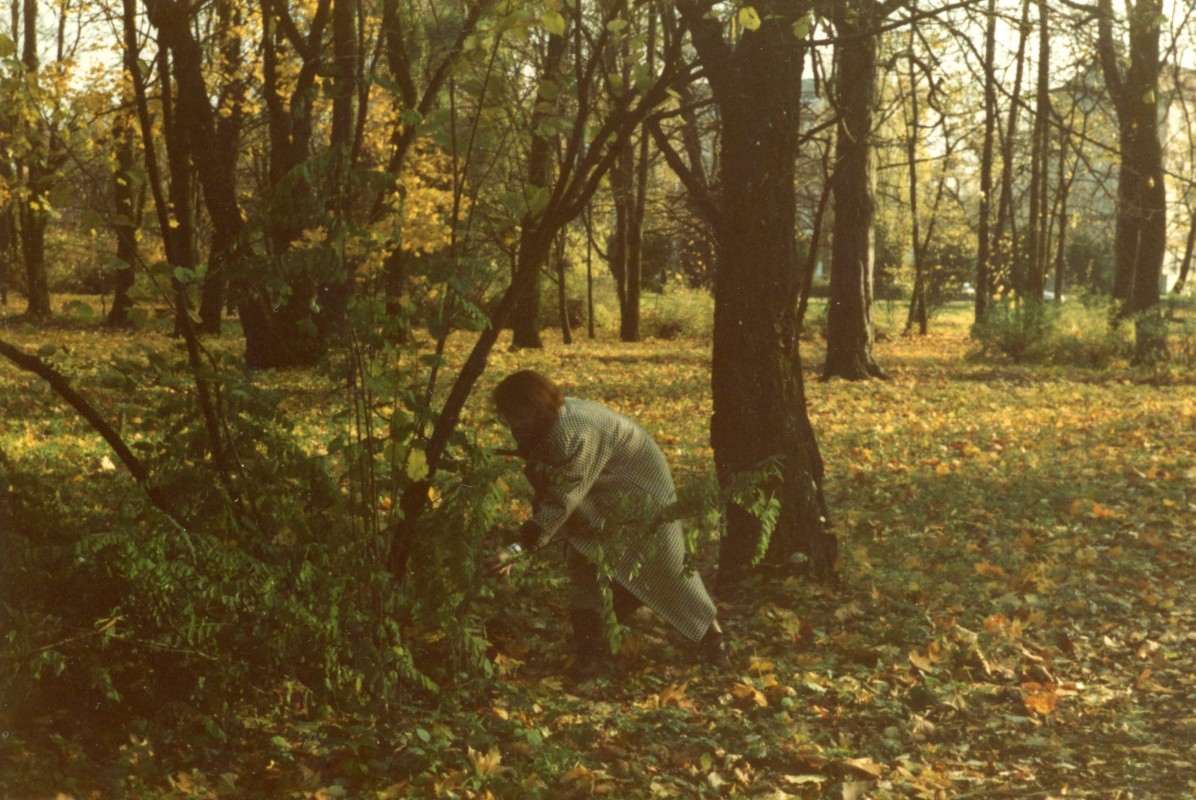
x=602, y=483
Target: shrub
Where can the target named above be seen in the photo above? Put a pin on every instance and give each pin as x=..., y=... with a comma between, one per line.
x=677, y=312
x=273, y=592
x=1183, y=352
x=1077, y=333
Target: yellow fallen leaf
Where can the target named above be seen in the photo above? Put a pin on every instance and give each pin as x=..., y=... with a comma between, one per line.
x=745, y=691
x=485, y=764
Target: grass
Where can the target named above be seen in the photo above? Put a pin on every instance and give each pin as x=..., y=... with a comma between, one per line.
x=1014, y=614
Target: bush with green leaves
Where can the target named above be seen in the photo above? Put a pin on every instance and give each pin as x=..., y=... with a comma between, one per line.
x=268, y=590
x=677, y=312
x=1076, y=333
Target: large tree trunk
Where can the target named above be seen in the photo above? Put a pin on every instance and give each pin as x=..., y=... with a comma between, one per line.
x=274, y=337
x=1141, y=233
x=758, y=390
x=849, y=334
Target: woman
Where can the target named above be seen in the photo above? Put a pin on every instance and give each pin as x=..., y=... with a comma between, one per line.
x=601, y=482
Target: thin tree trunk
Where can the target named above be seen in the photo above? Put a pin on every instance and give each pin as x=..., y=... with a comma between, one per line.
x=8, y=252
x=33, y=212
x=1031, y=282
x=983, y=234
x=1005, y=241
x=850, y=335
x=917, y=303
x=1186, y=265
x=125, y=194
x=622, y=180
x=629, y=330
x=590, y=328
x=61, y=386
x=562, y=294
x=1064, y=192
x=228, y=143
x=9, y=236
x=181, y=187
x=526, y=319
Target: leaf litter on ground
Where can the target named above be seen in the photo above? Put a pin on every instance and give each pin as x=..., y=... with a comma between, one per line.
x=1014, y=616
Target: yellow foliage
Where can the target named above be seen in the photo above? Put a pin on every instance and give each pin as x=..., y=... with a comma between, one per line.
x=423, y=201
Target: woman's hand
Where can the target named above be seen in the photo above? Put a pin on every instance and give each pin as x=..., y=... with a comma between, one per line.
x=499, y=563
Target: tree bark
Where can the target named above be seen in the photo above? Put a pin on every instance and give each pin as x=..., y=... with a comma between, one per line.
x=181, y=188
x=227, y=143
x=1005, y=239
x=33, y=212
x=918, y=312
x=125, y=195
x=8, y=240
x=629, y=186
x=983, y=232
x=1185, y=266
x=849, y=335
x=1141, y=233
x=562, y=293
x=760, y=412
x=1031, y=278
x=526, y=315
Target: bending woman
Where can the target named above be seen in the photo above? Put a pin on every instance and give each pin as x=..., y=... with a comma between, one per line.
x=599, y=481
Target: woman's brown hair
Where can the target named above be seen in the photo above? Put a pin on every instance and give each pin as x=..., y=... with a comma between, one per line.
x=529, y=399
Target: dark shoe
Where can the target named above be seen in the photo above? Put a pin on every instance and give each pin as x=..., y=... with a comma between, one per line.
x=625, y=603
x=591, y=651
x=714, y=650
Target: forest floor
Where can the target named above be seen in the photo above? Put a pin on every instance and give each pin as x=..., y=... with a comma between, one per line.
x=1014, y=615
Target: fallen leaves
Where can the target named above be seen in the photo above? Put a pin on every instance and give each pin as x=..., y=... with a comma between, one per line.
x=672, y=695
x=486, y=764
x=1015, y=615
x=1041, y=699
